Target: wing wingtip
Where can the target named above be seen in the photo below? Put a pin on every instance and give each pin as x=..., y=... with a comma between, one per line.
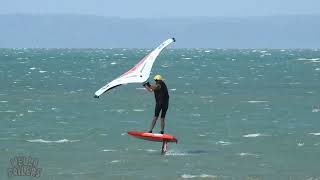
x=174, y=39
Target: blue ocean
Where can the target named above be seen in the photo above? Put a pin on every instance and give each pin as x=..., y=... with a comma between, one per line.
x=248, y=114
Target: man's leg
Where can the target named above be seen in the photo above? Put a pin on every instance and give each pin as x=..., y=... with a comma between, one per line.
x=153, y=123
x=157, y=110
x=163, y=115
x=162, y=125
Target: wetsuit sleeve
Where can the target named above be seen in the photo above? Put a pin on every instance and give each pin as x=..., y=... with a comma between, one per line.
x=155, y=87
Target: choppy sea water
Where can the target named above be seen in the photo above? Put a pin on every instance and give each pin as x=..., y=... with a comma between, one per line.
x=238, y=114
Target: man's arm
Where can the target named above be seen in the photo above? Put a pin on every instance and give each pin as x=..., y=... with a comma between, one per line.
x=151, y=88
x=155, y=87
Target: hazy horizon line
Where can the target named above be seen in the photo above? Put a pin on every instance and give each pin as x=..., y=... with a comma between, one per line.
x=165, y=17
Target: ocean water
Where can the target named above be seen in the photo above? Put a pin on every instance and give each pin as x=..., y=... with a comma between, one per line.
x=238, y=114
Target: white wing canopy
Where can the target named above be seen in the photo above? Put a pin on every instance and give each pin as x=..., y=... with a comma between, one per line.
x=137, y=74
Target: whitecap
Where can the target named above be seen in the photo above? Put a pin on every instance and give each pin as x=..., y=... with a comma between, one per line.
x=195, y=114
x=175, y=153
x=67, y=72
x=189, y=176
x=173, y=89
x=315, y=60
x=315, y=134
x=138, y=110
x=141, y=88
x=253, y=135
x=257, y=101
x=47, y=141
x=9, y=111
x=151, y=150
x=316, y=109
x=42, y=71
x=62, y=122
x=119, y=110
x=3, y=101
x=108, y=150
x=205, y=97
x=115, y=161
x=78, y=173
x=23, y=62
x=300, y=144
x=243, y=154
x=224, y=143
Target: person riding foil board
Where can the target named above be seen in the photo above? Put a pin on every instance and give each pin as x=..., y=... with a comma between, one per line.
x=162, y=101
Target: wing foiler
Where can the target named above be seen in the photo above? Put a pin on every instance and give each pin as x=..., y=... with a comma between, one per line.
x=137, y=74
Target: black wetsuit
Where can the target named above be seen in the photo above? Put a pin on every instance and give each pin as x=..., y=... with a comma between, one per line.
x=162, y=100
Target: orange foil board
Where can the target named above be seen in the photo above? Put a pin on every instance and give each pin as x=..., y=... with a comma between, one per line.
x=153, y=136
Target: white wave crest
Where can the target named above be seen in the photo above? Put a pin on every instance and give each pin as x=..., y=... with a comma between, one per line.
x=244, y=154
x=315, y=134
x=108, y=150
x=223, y=143
x=47, y=141
x=257, y=101
x=189, y=176
x=176, y=153
x=253, y=135
x=138, y=110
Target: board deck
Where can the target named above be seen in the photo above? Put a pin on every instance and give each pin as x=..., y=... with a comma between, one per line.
x=153, y=136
